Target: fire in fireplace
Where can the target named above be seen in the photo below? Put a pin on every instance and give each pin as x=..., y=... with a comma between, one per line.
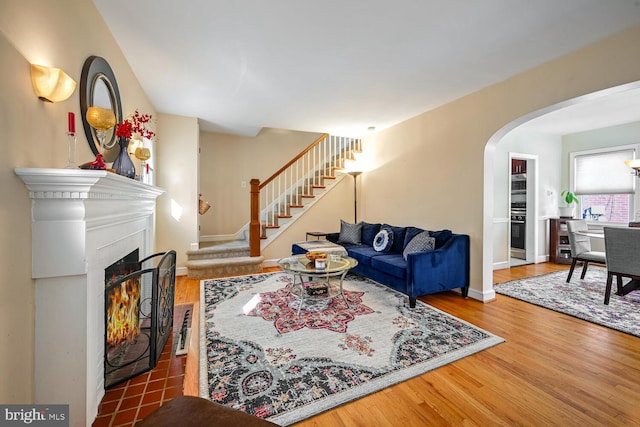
x=138, y=314
x=122, y=301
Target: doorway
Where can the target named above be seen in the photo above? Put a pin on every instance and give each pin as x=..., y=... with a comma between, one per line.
x=523, y=229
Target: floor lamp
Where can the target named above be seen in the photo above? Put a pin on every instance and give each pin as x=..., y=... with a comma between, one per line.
x=355, y=175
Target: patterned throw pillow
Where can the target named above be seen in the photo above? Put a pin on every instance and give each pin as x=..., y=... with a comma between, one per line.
x=350, y=233
x=383, y=240
x=421, y=242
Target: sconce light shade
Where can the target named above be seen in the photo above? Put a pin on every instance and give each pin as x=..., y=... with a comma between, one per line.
x=101, y=118
x=51, y=84
x=634, y=164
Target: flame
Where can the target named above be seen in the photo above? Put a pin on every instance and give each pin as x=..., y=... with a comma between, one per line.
x=123, y=313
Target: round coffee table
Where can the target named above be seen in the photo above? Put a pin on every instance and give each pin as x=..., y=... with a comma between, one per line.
x=299, y=266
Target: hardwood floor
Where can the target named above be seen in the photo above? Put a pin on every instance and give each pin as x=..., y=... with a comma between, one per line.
x=552, y=370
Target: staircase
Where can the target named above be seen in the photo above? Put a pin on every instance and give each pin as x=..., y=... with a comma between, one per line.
x=276, y=204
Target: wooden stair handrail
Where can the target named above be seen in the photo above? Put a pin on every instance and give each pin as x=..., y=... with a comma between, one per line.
x=254, y=222
x=293, y=160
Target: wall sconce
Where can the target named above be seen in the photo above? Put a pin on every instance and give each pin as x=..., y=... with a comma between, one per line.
x=51, y=84
x=635, y=165
x=203, y=206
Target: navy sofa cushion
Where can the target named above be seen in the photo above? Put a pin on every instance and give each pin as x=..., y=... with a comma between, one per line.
x=441, y=237
x=393, y=264
x=362, y=254
x=369, y=232
x=398, y=238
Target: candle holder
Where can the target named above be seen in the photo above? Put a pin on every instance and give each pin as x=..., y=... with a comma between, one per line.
x=101, y=120
x=143, y=154
x=71, y=150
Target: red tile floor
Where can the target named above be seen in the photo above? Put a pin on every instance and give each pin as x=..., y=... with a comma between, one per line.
x=131, y=401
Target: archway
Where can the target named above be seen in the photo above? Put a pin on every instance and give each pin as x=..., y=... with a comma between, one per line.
x=488, y=178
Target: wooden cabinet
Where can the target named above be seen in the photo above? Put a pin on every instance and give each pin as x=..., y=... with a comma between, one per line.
x=518, y=166
x=559, y=248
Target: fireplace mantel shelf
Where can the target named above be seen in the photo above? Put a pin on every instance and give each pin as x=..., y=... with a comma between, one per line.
x=83, y=184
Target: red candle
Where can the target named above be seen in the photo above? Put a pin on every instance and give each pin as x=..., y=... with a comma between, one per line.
x=72, y=122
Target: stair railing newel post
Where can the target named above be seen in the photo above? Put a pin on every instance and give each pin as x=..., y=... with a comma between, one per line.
x=254, y=224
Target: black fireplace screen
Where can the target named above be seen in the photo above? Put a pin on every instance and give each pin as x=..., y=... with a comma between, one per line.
x=138, y=314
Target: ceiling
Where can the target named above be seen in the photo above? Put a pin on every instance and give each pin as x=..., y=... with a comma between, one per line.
x=342, y=66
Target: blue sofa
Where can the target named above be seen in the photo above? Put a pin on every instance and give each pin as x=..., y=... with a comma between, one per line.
x=443, y=268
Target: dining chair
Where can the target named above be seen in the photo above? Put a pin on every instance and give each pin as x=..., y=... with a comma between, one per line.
x=622, y=246
x=581, y=247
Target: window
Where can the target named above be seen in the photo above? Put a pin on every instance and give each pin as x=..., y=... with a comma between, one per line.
x=606, y=207
x=604, y=184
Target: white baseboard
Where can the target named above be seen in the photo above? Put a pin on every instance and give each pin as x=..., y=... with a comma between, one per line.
x=542, y=258
x=218, y=238
x=500, y=265
x=270, y=263
x=482, y=296
x=181, y=271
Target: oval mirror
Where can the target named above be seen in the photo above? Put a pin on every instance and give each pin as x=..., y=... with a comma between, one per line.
x=98, y=88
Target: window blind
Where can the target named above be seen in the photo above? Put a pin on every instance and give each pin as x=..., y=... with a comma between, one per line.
x=604, y=173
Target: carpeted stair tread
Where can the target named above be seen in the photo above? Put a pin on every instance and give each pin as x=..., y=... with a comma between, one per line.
x=204, y=263
x=224, y=250
x=222, y=267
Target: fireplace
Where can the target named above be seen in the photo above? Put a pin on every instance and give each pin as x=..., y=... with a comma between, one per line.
x=138, y=314
x=82, y=222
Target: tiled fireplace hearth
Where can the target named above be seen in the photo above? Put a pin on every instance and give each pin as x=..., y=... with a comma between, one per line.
x=82, y=222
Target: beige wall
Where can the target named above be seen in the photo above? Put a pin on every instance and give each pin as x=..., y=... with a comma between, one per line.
x=229, y=160
x=60, y=33
x=177, y=173
x=430, y=170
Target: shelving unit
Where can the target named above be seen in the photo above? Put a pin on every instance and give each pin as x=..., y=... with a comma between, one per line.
x=559, y=248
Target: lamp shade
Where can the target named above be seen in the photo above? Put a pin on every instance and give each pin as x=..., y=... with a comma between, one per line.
x=100, y=118
x=51, y=84
x=633, y=164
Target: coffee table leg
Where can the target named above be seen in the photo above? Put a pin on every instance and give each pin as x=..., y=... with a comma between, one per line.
x=301, y=298
x=300, y=284
x=341, y=290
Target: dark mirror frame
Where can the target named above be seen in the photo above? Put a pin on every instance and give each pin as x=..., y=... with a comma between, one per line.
x=97, y=68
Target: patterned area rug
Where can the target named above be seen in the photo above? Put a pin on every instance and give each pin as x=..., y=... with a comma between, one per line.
x=583, y=299
x=258, y=355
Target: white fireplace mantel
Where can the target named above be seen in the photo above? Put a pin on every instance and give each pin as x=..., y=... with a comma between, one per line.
x=67, y=201
x=82, y=222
